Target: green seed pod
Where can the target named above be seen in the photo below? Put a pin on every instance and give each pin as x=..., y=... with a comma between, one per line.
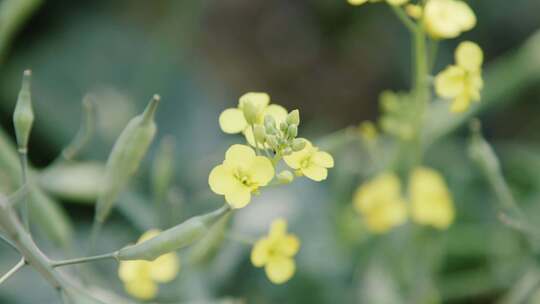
x=77, y=182
x=292, y=131
x=298, y=144
x=204, y=250
x=174, y=238
x=293, y=118
x=50, y=217
x=259, y=133
x=126, y=155
x=285, y=177
x=23, y=117
x=163, y=169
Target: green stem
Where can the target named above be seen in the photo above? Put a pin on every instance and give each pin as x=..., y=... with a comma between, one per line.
x=106, y=256
x=402, y=16
x=13, y=270
x=10, y=243
x=23, y=155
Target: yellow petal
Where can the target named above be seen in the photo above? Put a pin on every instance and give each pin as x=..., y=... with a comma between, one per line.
x=131, y=270
x=259, y=99
x=278, y=228
x=464, y=15
x=460, y=104
x=165, y=268
x=144, y=289
x=248, y=134
x=239, y=156
x=288, y=245
x=357, y=2
x=295, y=159
x=259, y=253
x=232, y=121
x=277, y=112
x=261, y=170
x=221, y=179
x=386, y=215
x=280, y=269
x=469, y=56
x=323, y=159
x=384, y=187
x=315, y=173
x=450, y=82
x=238, y=197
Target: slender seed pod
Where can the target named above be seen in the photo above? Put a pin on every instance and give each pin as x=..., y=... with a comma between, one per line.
x=174, y=238
x=204, y=250
x=23, y=117
x=163, y=169
x=126, y=155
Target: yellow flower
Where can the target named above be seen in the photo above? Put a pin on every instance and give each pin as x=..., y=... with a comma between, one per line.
x=141, y=277
x=448, y=18
x=431, y=202
x=310, y=162
x=241, y=174
x=391, y=2
x=275, y=253
x=380, y=202
x=257, y=105
x=462, y=82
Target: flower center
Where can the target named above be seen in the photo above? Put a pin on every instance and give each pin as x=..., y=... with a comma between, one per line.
x=245, y=179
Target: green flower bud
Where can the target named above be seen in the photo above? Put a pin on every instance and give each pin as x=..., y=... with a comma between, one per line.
x=251, y=112
x=272, y=141
x=259, y=133
x=283, y=127
x=270, y=125
x=174, y=238
x=23, y=117
x=293, y=118
x=287, y=151
x=285, y=177
x=292, y=131
x=126, y=155
x=298, y=144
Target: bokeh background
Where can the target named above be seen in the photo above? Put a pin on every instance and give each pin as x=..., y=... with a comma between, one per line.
x=329, y=60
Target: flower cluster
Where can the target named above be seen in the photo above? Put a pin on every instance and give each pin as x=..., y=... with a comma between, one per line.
x=271, y=134
x=275, y=253
x=381, y=203
x=141, y=277
x=462, y=82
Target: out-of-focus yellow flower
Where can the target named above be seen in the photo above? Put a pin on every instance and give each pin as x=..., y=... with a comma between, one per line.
x=241, y=174
x=368, y=131
x=462, y=82
x=310, y=162
x=141, y=277
x=391, y=2
x=256, y=106
x=431, y=202
x=275, y=253
x=447, y=18
x=380, y=203
x=414, y=10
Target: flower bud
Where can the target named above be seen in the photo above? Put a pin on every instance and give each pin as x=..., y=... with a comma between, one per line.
x=292, y=131
x=126, y=155
x=293, y=118
x=298, y=144
x=287, y=151
x=285, y=177
x=283, y=126
x=270, y=125
x=259, y=133
x=23, y=117
x=251, y=112
x=272, y=141
x=177, y=237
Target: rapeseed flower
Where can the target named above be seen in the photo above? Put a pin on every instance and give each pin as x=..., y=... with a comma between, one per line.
x=462, y=82
x=310, y=162
x=141, y=277
x=241, y=174
x=445, y=19
x=275, y=253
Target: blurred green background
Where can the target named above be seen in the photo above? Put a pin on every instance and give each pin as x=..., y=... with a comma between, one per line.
x=324, y=57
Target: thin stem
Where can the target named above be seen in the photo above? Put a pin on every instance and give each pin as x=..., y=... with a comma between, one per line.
x=106, y=256
x=13, y=270
x=433, y=50
x=402, y=16
x=10, y=243
x=23, y=155
x=255, y=139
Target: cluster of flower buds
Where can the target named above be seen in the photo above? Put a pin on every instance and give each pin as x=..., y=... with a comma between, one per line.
x=282, y=137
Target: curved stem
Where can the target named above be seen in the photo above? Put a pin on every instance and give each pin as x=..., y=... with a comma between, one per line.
x=13, y=270
x=402, y=16
x=10, y=243
x=100, y=257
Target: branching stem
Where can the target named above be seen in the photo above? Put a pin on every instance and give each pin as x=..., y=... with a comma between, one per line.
x=13, y=270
